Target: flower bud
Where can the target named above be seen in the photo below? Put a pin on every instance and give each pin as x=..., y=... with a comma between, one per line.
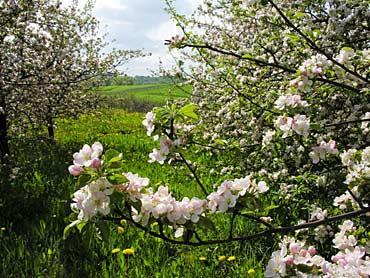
x=96, y=163
x=294, y=248
x=289, y=260
x=75, y=170
x=303, y=253
x=311, y=250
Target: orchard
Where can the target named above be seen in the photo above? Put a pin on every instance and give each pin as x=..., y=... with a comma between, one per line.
x=283, y=87
x=280, y=109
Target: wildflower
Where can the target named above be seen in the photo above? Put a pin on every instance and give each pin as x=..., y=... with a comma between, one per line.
x=120, y=230
x=251, y=271
x=202, y=259
x=231, y=258
x=221, y=258
x=115, y=250
x=123, y=222
x=128, y=251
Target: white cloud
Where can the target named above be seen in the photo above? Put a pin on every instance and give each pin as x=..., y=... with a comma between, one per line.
x=110, y=4
x=139, y=24
x=162, y=31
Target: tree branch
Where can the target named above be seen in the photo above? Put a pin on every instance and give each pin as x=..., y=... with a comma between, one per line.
x=194, y=174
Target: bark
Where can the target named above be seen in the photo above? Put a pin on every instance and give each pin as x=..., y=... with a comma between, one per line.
x=4, y=144
x=51, y=129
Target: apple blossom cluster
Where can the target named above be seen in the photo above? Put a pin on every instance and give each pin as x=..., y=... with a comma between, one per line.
x=135, y=186
x=345, y=56
x=309, y=69
x=161, y=204
x=319, y=152
x=93, y=198
x=292, y=253
x=300, y=124
x=352, y=259
x=148, y=122
x=267, y=137
x=295, y=259
x=358, y=164
x=228, y=193
x=176, y=41
x=293, y=101
x=87, y=157
x=346, y=200
x=318, y=65
x=322, y=231
x=166, y=145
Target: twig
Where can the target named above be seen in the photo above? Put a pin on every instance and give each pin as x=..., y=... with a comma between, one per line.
x=194, y=174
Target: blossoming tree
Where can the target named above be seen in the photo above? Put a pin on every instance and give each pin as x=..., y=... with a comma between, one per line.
x=281, y=94
x=50, y=56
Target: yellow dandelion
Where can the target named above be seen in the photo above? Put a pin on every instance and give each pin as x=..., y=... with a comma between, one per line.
x=129, y=251
x=231, y=258
x=202, y=259
x=123, y=222
x=120, y=230
x=251, y=271
x=115, y=250
x=222, y=258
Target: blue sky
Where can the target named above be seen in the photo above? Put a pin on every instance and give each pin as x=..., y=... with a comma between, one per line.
x=140, y=24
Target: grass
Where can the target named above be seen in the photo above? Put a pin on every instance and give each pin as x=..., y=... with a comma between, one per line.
x=142, y=98
x=35, y=208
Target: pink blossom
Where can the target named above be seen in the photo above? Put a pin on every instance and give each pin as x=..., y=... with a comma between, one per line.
x=75, y=170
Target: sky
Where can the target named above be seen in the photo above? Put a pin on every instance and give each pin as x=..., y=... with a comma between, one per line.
x=140, y=24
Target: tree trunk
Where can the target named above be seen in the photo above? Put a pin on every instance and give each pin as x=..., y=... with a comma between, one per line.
x=4, y=145
x=51, y=129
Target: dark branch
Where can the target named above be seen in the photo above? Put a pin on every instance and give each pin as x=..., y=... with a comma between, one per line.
x=194, y=174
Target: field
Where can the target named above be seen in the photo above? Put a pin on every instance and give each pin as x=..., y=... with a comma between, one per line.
x=141, y=97
x=31, y=235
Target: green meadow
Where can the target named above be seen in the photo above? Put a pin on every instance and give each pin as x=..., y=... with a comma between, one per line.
x=141, y=97
x=32, y=222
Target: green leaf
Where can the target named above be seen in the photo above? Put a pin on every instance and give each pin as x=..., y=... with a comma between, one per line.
x=116, y=179
x=116, y=158
x=81, y=225
x=188, y=111
x=270, y=207
x=83, y=179
x=221, y=142
x=248, y=212
x=299, y=15
x=247, y=56
x=110, y=154
x=116, y=198
x=116, y=165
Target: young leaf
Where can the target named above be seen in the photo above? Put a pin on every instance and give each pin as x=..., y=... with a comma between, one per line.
x=67, y=229
x=188, y=111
